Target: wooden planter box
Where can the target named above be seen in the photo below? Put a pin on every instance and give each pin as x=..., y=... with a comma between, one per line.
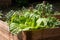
x=46, y=34
x=57, y=16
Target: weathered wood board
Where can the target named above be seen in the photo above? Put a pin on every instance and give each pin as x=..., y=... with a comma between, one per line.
x=5, y=33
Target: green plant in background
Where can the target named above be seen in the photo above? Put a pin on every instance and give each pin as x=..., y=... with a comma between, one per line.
x=45, y=9
x=8, y=15
x=32, y=19
x=1, y=14
x=22, y=2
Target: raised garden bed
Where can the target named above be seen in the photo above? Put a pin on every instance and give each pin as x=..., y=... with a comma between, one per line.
x=35, y=23
x=46, y=34
x=57, y=16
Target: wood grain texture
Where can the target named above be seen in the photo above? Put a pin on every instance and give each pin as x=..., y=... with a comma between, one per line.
x=46, y=34
x=5, y=33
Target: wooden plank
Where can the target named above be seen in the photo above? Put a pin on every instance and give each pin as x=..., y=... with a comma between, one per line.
x=5, y=33
x=4, y=25
x=50, y=33
x=46, y=34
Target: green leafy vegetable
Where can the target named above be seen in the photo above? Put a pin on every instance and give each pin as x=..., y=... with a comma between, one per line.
x=27, y=19
x=45, y=9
